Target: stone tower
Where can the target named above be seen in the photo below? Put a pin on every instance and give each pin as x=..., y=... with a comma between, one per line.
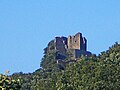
x=76, y=45
x=77, y=42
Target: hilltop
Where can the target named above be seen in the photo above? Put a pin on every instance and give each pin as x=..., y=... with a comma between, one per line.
x=64, y=50
x=88, y=73
x=64, y=70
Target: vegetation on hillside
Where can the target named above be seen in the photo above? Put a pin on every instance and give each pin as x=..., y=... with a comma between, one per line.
x=6, y=83
x=100, y=72
x=49, y=58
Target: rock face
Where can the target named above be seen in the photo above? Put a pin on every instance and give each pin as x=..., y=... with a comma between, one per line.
x=76, y=45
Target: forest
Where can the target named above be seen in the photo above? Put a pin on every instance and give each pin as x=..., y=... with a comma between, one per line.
x=97, y=72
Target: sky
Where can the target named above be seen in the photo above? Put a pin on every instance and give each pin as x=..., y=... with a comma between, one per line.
x=26, y=27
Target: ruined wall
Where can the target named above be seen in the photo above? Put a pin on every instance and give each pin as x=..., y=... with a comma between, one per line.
x=84, y=44
x=60, y=44
x=77, y=42
x=76, y=45
x=78, y=53
x=75, y=53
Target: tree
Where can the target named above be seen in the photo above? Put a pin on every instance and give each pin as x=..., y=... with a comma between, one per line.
x=7, y=84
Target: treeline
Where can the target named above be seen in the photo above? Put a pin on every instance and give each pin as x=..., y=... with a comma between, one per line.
x=100, y=72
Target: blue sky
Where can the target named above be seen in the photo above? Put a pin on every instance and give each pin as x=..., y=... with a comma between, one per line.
x=26, y=27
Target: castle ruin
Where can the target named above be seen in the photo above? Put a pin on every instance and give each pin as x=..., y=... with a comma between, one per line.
x=77, y=42
x=76, y=45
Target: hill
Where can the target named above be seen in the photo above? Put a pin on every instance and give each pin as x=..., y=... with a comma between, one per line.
x=100, y=72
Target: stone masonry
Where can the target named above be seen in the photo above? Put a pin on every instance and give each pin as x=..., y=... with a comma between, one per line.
x=75, y=44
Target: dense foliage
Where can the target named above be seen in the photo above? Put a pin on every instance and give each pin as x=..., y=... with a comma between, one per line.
x=6, y=83
x=100, y=72
x=49, y=58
